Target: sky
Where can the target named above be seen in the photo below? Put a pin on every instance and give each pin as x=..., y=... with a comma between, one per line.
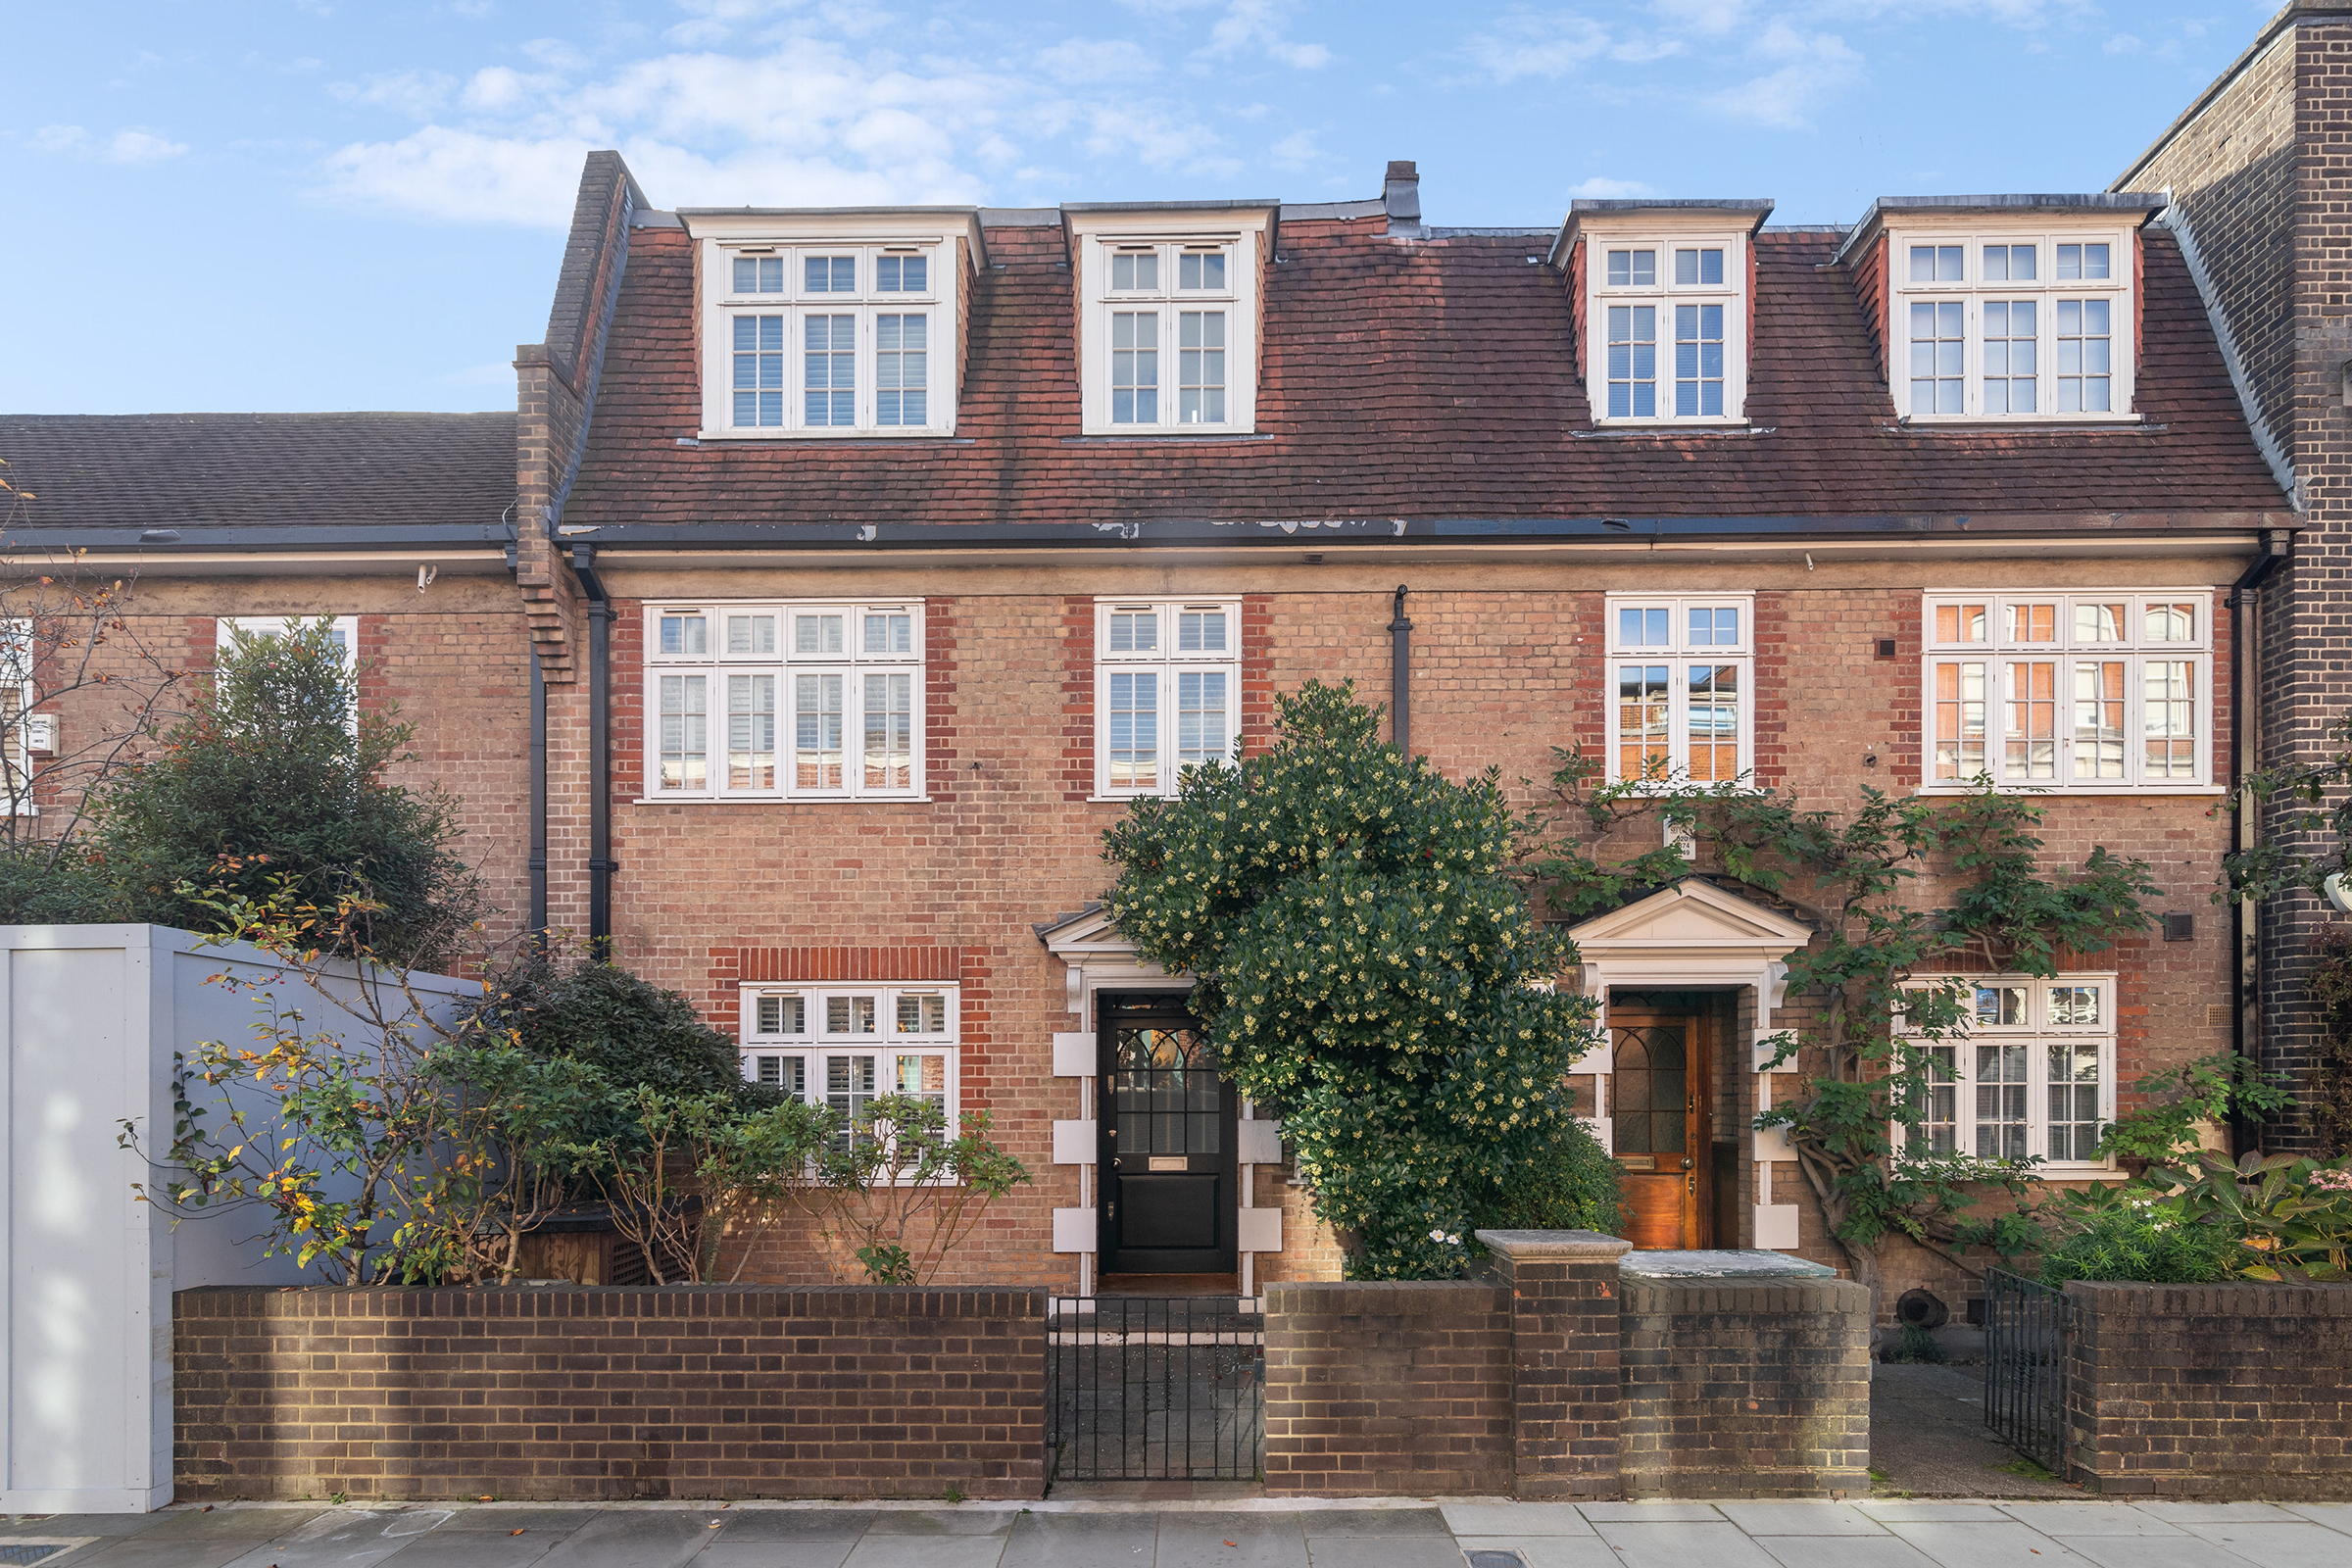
x=300, y=205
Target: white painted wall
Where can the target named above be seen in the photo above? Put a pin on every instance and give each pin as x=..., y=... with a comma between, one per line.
x=90, y=1016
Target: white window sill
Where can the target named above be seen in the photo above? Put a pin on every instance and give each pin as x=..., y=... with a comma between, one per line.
x=1661, y=788
x=1694, y=423
x=782, y=799
x=2014, y=421
x=1168, y=432
x=830, y=433
x=2059, y=792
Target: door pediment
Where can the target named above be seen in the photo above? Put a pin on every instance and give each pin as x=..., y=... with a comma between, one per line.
x=1691, y=917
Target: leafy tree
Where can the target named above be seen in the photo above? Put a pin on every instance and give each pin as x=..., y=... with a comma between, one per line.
x=271, y=780
x=596, y=1012
x=1883, y=951
x=903, y=1189
x=1369, y=971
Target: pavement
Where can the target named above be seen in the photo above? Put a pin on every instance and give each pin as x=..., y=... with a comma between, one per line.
x=1224, y=1533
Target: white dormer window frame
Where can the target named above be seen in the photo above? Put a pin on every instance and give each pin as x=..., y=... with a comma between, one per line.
x=1168, y=330
x=818, y=335
x=1970, y=338
x=1666, y=325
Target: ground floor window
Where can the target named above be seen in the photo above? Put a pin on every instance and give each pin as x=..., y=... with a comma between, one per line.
x=2029, y=1073
x=842, y=1046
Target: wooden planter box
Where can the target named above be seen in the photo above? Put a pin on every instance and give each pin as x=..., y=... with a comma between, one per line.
x=583, y=1245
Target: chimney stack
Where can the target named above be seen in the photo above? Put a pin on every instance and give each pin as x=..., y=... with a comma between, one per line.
x=1402, y=196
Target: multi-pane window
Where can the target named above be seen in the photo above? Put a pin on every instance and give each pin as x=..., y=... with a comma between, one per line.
x=2009, y=327
x=799, y=700
x=827, y=339
x=1168, y=326
x=2095, y=691
x=1665, y=314
x=1682, y=674
x=22, y=731
x=2026, y=1073
x=342, y=634
x=1168, y=687
x=840, y=1046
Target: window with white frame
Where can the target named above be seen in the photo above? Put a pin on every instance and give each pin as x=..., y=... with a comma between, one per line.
x=1167, y=691
x=2029, y=1073
x=26, y=732
x=1665, y=313
x=1682, y=675
x=828, y=339
x=784, y=701
x=840, y=1045
x=2069, y=691
x=2011, y=326
x=1168, y=339
x=342, y=633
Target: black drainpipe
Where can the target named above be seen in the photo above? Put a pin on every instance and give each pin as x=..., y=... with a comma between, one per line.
x=601, y=864
x=538, y=803
x=1400, y=675
x=2245, y=928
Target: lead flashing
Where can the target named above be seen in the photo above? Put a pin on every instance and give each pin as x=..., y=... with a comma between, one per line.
x=1750, y=209
x=2146, y=203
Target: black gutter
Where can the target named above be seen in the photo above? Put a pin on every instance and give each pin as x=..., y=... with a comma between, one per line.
x=1400, y=674
x=2245, y=915
x=538, y=867
x=601, y=864
x=330, y=535
x=1323, y=533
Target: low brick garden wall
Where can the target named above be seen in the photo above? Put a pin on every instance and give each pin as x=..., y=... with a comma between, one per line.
x=603, y=1393
x=2211, y=1391
x=1745, y=1387
x=1391, y=1388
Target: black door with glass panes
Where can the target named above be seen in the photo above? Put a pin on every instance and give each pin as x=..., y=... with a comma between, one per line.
x=1170, y=1192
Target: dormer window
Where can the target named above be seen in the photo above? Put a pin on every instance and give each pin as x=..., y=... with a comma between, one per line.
x=1668, y=343
x=1168, y=337
x=2010, y=326
x=810, y=333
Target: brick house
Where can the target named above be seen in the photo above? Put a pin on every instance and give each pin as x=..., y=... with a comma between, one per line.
x=867, y=563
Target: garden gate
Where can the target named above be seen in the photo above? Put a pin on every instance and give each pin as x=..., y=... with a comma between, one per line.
x=2028, y=1329
x=1148, y=1388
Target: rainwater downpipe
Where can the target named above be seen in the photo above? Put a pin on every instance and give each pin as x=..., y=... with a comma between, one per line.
x=601, y=864
x=2245, y=653
x=538, y=803
x=1400, y=675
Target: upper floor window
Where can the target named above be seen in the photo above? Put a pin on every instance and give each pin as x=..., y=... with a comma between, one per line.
x=1167, y=691
x=792, y=701
x=1667, y=344
x=1682, y=675
x=842, y=1046
x=1167, y=342
x=2081, y=691
x=827, y=338
x=22, y=732
x=2026, y=1072
x=342, y=635
x=2011, y=326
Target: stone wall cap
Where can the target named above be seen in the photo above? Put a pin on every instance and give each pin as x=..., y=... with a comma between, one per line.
x=1584, y=1246
x=1719, y=1265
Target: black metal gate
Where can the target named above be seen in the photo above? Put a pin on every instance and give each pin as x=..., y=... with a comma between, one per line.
x=1148, y=1387
x=2028, y=1330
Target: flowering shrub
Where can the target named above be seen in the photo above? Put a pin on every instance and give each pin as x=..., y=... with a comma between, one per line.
x=2291, y=1216
x=1370, y=973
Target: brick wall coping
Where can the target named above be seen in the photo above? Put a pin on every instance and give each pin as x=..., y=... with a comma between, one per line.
x=1383, y=1298
x=2115, y=1299
x=1575, y=1247
x=1720, y=1264
x=609, y=1301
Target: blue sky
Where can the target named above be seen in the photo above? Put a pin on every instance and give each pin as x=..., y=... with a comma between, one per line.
x=330, y=203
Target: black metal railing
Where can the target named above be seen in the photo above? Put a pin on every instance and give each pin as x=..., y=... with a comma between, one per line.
x=2028, y=1330
x=1148, y=1387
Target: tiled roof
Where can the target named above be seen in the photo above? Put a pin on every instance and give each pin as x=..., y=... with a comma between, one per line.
x=1425, y=380
x=198, y=472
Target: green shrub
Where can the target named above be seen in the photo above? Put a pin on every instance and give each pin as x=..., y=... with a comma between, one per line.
x=633, y=1032
x=1568, y=1185
x=2136, y=1242
x=37, y=888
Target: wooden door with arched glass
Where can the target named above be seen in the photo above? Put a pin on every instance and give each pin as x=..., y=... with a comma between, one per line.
x=1170, y=1192
x=1658, y=1105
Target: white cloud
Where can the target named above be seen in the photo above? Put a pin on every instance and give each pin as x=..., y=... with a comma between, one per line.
x=496, y=89
x=1550, y=44
x=1082, y=60
x=417, y=94
x=1810, y=67
x=1253, y=27
x=1297, y=150
x=1702, y=15
x=60, y=138
x=2124, y=43
x=1600, y=186
x=130, y=145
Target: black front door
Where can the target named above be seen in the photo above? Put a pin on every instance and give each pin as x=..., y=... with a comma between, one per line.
x=1170, y=1198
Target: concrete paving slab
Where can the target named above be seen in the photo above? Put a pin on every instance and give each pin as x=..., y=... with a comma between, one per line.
x=1372, y=1522
x=1950, y=1513
x=2007, y=1544
x=1648, y=1512
x=146, y=1552
x=633, y=1538
x=503, y=1519
x=943, y=1521
x=2088, y=1519
x=2182, y=1550
x=1224, y=1539
x=1083, y=1540
x=1514, y=1519
x=1881, y=1550
x=1383, y=1552
x=35, y=1526
x=2334, y=1515
x=776, y=1554
x=343, y=1537
x=1680, y=1543
x=797, y=1524
x=2214, y=1513
x=2301, y=1545
x=927, y=1551
x=476, y=1548
x=1795, y=1518
x=1547, y=1552
x=230, y=1524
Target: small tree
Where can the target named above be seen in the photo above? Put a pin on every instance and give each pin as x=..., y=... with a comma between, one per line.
x=271, y=780
x=1369, y=971
x=903, y=1189
x=591, y=1011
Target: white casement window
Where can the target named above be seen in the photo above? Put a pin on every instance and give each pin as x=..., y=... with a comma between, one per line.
x=828, y=339
x=27, y=733
x=1167, y=691
x=2011, y=326
x=1168, y=338
x=343, y=633
x=785, y=700
x=1668, y=347
x=1682, y=678
x=2029, y=1074
x=2087, y=692
x=840, y=1045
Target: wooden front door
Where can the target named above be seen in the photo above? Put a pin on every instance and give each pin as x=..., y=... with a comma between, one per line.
x=1658, y=1093
x=1171, y=1198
